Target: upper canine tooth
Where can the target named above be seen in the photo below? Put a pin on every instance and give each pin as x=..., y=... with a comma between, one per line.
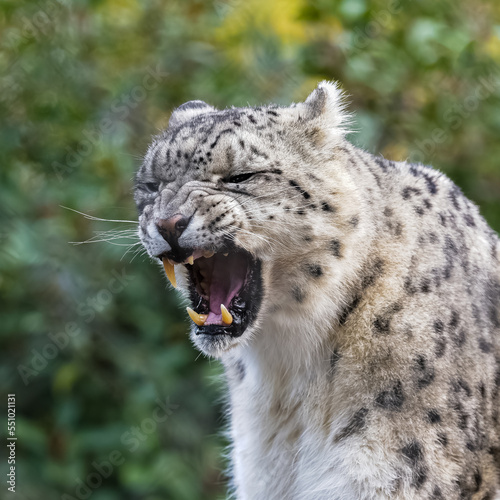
x=199, y=319
x=225, y=254
x=190, y=260
x=226, y=315
x=208, y=253
x=169, y=271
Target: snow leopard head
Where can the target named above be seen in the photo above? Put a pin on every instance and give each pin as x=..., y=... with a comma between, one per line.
x=235, y=203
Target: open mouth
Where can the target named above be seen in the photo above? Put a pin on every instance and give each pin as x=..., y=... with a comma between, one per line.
x=225, y=290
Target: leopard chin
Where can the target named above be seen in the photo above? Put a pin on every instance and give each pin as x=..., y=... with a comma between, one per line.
x=225, y=290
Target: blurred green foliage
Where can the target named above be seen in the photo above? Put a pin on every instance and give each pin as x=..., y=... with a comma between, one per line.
x=84, y=84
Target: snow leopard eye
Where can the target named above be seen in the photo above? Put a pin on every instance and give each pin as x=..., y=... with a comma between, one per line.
x=235, y=179
x=150, y=187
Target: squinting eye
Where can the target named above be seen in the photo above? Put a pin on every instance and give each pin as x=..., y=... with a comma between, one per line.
x=152, y=187
x=235, y=179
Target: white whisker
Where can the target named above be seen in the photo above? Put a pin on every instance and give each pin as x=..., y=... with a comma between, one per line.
x=104, y=241
x=91, y=217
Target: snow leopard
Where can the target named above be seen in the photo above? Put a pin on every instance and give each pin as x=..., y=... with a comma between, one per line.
x=353, y=301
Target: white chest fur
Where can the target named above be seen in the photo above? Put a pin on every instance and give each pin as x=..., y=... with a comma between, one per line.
x=283, y=428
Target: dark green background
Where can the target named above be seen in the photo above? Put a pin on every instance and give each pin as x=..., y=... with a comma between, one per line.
x=77, y=113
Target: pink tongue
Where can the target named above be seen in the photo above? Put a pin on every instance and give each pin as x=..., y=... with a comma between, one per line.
x=227, y=280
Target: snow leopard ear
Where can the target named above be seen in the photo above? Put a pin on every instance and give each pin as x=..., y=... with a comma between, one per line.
x=188, y=110
x=327, y=105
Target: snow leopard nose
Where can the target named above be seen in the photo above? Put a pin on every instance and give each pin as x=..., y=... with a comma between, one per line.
x=172, y=228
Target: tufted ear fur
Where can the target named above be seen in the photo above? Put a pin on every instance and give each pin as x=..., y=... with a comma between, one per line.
x=188, y=110
x=326, y=104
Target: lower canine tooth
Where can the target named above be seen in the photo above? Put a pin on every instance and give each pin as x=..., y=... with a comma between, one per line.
x=169, y=271
x=199, y=319
x=226, y=315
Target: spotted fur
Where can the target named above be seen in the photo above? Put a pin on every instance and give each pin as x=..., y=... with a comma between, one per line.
x=372, y=370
